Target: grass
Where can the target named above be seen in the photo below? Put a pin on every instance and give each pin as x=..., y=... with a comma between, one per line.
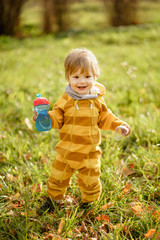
x=129, y=60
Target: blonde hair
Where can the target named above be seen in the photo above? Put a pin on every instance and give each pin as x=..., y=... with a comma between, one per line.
x=81, y=58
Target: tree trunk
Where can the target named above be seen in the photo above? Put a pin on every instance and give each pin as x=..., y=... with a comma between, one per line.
x=122, y=12
x=10, y=16
x=55, y=15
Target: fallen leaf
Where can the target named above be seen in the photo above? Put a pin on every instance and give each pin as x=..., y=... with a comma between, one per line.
x=127, y=171
x=36, y=188
x=1, y=186
x=103, y=217
x=150, y=233
x=27, y=156
x=136, y=208
x=83, y=227
x=126, y=189
x=108, y=205
x=60, y=227
x=131, y=165
x=11, y=178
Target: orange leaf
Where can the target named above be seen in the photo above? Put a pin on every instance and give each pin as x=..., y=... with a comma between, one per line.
x=27, y=156
x=62, y=222
x=127, y=171
x=36, y=188
x=1, y=186
x=150, y=233
x=126, y=189
x=136, y=208
x=108, y=205
x=103, y=217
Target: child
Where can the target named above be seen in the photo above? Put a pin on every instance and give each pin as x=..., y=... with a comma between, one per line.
x=79, y=114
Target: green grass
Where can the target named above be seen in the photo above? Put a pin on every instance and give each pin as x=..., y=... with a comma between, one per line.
x=129, y=60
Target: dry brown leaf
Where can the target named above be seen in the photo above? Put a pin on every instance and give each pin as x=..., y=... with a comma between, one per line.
x=108, y=205
x=150, y=233
x=36, y=188
x=27, y=156
x=127, y=171
x=83, y=227
x=103, y=217
x=126, y=189
x=136, y=208
x=60, y=227
x=11, y=178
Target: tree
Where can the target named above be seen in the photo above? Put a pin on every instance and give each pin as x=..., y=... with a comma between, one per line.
x=122, y=12
x=55, y=15
x=10, y=16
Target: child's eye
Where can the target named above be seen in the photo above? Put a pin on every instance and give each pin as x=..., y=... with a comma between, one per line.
x=75, y=77
x=88, y=76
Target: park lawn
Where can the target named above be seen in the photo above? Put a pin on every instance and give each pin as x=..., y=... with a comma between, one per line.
x=129, y=206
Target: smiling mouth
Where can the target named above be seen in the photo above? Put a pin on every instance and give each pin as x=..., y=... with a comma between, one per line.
x=81, y=88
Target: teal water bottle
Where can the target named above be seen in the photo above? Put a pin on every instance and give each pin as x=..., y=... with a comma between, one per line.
x=41, y=106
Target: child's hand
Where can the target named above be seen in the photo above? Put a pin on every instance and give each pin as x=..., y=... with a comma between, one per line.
x=126, y=130
x=35, y=116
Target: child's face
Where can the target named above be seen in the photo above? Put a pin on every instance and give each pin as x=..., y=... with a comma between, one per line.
x=81, y=82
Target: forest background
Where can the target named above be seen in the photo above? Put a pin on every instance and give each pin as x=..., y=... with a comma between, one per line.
x=31, y=62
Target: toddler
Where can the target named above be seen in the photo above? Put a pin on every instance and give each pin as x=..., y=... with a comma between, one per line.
x=79, y=114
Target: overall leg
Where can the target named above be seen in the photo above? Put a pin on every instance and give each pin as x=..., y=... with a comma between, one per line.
x=59, y=179
x=88, y=179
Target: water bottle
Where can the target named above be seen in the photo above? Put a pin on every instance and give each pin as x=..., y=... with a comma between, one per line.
x=41, y=106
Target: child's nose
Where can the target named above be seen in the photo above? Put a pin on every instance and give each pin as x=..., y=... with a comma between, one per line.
x=82, y=80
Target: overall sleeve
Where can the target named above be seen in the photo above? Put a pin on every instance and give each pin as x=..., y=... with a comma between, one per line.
x=107, y=120
x=57, y=113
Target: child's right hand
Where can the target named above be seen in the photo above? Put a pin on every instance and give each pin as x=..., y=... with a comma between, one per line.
x=35, y=116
